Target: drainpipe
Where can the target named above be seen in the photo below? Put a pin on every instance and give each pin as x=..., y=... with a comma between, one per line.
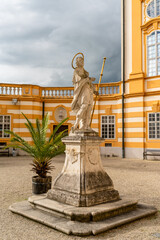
x=43, y=106
x=123, y=75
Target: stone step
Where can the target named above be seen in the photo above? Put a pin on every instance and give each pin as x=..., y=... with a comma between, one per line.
x=83, y=214
x=80, y=228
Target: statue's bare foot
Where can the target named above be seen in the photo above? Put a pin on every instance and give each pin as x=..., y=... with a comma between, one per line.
x=73, y=129
x=82, y=128
x=89, y=128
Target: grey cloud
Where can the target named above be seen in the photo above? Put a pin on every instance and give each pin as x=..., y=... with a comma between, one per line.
x=46, y=35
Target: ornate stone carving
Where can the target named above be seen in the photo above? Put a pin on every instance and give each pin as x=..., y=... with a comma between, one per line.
x=60, y=114
x=91, y=153
x=72, y=154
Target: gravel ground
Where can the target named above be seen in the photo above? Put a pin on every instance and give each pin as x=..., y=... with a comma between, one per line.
x=136, y=179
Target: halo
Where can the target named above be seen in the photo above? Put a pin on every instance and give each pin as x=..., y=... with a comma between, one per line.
x=74, y=58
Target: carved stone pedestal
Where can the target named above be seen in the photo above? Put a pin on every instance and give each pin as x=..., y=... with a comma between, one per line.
x=83, y=181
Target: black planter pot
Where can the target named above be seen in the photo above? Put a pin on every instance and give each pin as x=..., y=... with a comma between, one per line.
x=41, y=185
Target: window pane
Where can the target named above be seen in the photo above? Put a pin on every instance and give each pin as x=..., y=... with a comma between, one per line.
x=152, y=117
x=152, y=51
x=1, y=130
x=152, y=126
x=158, y=130
x=6, y=127
x=112, y=131
x=102, y=119
x=104, y=131
x=158, y=7
x=113, y=119
x=1, y=119
x=151, y=9
x=152, y=67
x=158, y=50
x=151, y=39
x=110, y=119
x=6, y=135
x=158, y=37
x=158, y=66
x=7, y=119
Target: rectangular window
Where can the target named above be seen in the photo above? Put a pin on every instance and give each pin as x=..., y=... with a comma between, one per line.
x=154, y=125
x=153, y=53
x=108, y=127
x=5, y=124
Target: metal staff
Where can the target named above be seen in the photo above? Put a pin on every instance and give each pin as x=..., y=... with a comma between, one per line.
x=104, y=59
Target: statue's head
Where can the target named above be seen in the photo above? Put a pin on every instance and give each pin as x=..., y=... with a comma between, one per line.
x=80, y=62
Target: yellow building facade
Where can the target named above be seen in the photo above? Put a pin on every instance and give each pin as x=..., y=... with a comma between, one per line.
x=127, y=113
x=141, y=75
x=35, y=102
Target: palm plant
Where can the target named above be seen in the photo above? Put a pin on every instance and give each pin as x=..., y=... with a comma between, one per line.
x=43, y=149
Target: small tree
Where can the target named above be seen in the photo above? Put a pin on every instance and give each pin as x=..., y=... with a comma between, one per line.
x=43, y=149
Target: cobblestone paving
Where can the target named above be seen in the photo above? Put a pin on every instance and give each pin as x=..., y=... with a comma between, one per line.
x=136, y=179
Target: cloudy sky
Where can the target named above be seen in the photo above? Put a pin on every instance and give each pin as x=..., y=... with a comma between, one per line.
x=38, y=39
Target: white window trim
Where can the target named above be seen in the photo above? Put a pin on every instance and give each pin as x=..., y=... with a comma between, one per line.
x=3, y=137
x=111, y=123
x=155, y=129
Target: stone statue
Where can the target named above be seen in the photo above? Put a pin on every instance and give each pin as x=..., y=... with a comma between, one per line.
x=83, y=182
x=84, y=89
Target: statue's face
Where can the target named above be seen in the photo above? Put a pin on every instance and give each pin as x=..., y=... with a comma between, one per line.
x=79, y=62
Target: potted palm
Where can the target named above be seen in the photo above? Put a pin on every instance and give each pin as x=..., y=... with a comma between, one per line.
x=42, y=150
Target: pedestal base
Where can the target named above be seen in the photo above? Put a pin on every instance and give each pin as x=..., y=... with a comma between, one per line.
x=83, y=182
x=78, y=200
x=81, y=221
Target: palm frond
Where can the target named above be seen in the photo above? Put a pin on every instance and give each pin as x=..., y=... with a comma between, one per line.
x=42, y=150
x=59, y=136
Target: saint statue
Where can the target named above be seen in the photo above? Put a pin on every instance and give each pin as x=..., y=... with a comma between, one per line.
x=84, y=89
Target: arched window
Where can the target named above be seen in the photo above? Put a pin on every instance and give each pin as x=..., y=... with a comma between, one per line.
x=153, y=54
x=153, y=9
